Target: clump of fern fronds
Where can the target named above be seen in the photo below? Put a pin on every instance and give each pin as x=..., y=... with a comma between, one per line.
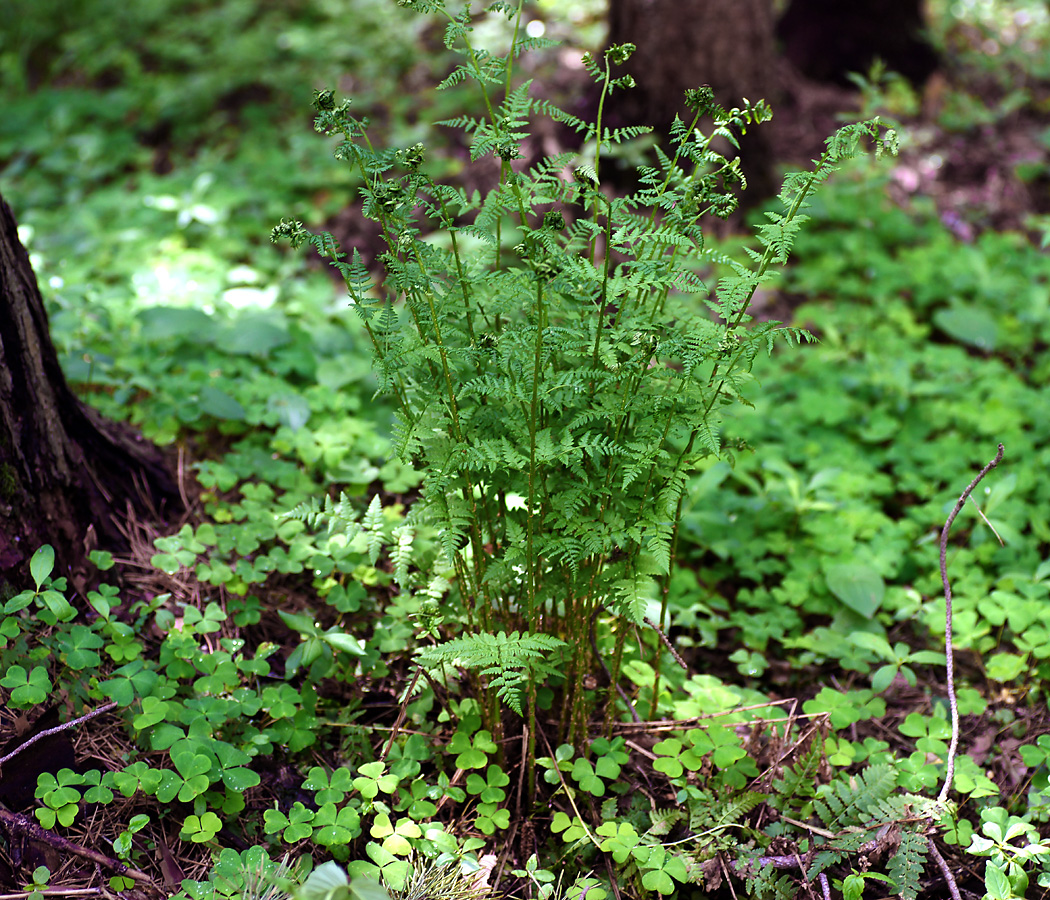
x=557, y=376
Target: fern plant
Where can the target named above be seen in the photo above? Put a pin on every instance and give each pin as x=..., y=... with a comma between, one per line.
x=865, y=815
x=559, y=366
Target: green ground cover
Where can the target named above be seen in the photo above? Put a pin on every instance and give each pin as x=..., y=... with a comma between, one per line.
x=265, y=654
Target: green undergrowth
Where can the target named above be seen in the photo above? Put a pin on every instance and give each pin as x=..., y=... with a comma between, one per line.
x=307, y=673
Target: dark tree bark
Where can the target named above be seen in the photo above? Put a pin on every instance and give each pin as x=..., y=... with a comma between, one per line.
x=727, y=44
x=732, y=46
x=682, y=44
x=827, y=39
x=68, y=477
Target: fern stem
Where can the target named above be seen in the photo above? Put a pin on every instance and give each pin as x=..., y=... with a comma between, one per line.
x=665, y=588
x=461, y=277
x=530, y=754
x=765, y=261
x=604, y=295
x=513, y=48
x=614, y=677
x=606, y=79
x=532, y=568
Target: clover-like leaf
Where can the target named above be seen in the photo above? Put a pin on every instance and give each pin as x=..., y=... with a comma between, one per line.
x=27, y=688
x=200, y=829
x=371, y=780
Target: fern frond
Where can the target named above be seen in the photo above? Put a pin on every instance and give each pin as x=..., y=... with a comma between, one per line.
x=533, y=43
x=338, y=516
x=508, y=660
x=663, y=820
x=849, y=801
x=631, y=597
x=401, y=555
x=619, y=135
x=765, y=882
x=906, y=865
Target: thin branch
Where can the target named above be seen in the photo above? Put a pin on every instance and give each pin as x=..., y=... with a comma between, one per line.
x=54, y=892
x=683, y=724
x=16, y=824
x=401, y=714
x=569, y=793
x=667, y=643
x=824, y=887
x=950, y=664
x=949, y=879
x=58, y=728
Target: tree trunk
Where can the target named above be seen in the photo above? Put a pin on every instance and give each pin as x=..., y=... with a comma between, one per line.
x=727, y=44
x=827, y=39
x=68, y=477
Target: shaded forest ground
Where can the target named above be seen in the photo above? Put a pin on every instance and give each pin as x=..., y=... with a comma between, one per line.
x=990, y=175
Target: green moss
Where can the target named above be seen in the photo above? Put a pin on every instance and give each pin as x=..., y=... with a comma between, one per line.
x=9, y=486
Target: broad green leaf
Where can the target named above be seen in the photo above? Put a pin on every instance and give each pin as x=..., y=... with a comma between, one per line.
x=240, y=778
x=166, y=322
x=220, y=404
x=42, y=564
x=345, y=642
x=883, y=677
x=968, y=324
x=324, y=881
x=876, y=643
x=1005, y=666
x=859, y=586
x=256, y=333
x=996, y=883
x=658, y=880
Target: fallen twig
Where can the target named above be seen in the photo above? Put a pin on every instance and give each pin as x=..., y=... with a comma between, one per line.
x=54, y=892
x=47, y=731
x=18, y=825
x=949, y=879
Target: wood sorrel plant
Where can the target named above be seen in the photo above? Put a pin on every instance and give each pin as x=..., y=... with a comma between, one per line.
x=560, y=369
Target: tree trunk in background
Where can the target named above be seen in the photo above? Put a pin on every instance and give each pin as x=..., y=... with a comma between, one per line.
x=732, y=46
x=827, y=39
x=727, y=44
x=67, y=476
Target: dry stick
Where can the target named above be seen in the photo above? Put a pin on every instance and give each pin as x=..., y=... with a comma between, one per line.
x=949, y=879
x=950, y=662
x=685, y=724
x=14, y=823
x=953, y=747
x=789, y=862
x=824, y=886
x=667, y=642
x=568, y=793
x=58, y=728
x=54, y=892
x=401, y=714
